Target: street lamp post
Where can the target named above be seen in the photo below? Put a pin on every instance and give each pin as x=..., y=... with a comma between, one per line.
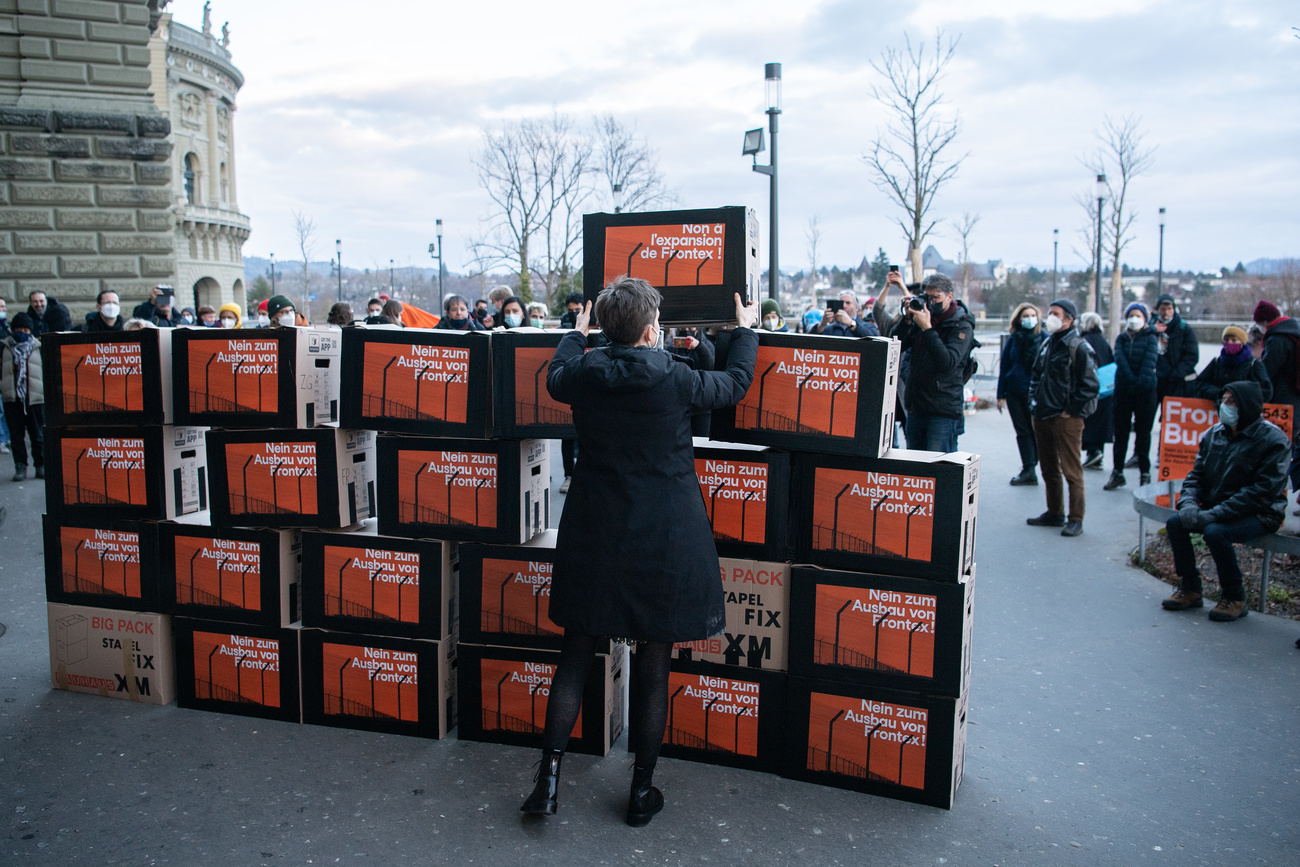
x=1160, y=268
x=618, y=198
x=1101, y=198
x=1056, y=240
x=438, y=255
x=272, y=273
x=390, y=278
x=338, y=260
x=753, y=145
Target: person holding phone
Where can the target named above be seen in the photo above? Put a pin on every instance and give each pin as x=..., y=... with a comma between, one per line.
x=841, y=319
x=160, y=308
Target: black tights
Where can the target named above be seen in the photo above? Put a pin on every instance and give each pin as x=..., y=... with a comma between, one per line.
x=650, y=666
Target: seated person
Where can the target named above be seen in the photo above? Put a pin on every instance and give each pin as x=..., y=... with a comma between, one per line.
x=1235, y=492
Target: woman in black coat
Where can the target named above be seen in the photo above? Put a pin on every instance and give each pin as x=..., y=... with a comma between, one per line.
x=1099, y=428
x=1234, y=363
x=635, y=556
x=1015, y=369
x=1136, y=351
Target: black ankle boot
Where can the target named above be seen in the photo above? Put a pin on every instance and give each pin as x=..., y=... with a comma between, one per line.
x=543, y=800
x=645, y=799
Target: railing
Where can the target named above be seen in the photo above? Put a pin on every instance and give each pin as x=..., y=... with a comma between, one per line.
x=824, y=654
x=493, y=721
x=524, y=412
x=493, y=621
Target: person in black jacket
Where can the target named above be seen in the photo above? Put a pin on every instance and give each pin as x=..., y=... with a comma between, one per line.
x=939, y=332
x=1179, y=351
x=107, y=315
x=456, y=316
x=1281, y=357
x=1099, y=428
x=1235, y=492
x=1135, y=394
x=634, y=557
x=1015, y=369
x=1062, y=394
x=1234, y=363
x=47, y=314
x=572, y=307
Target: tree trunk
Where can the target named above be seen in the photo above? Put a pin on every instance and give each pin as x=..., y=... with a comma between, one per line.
x=916, y=264
x=525, y=281
x=1116, y=301
x=1090, y=303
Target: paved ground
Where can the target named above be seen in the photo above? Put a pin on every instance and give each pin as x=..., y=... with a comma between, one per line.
x=1103, y=731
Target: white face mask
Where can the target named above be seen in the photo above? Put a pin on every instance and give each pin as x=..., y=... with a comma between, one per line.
x=263, y=320
x=1136, y=323
x=110, y=310
x=770, y=324
x=1029, y=322
x=285, y=319
x=227, y=322
x=187, y=319
x=1053, y=324
x=4, y=314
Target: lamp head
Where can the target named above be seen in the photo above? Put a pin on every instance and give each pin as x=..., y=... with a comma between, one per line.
x=755, y=142
x=1162, y=218
x=772, y=85
x=438, y=223
x=618, y=198
x=1101, y=186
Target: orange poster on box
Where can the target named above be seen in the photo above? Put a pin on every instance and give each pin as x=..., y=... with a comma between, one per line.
x=220, y=572
x=877, y=630
x=102, y=377
x=236, y=668
x=274, y=478
x=440, y=487
x=100, y=561
x=516, y=597
x=533, y=403
x=415, y=381
x=514, y=694
x=799, y=390
x=239, y=374
x=712, y=713
x=868, y=739
x=372, y=682
x=681, y=254
x=103, y=471
x=372, y=583
x=882, y=514
x=735, y=496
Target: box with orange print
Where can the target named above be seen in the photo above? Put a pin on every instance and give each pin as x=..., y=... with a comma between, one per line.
x=108, y=378
x=236, y=575
x=378, y=684
x=817, y=394
x=722, y=715
x=96, y=475
x=237, y=668
x=897, y=633
x=108, y=564
x=902, y=745
x=416, y=381
x=323, y=477
x=495, y=491
x=257, y=378
x=911, y=513
x=112, y=653
x=365, y=583
x=757, y=597
x=746, y=491
x=503, y=694
x=698, y=259
x=521, y=405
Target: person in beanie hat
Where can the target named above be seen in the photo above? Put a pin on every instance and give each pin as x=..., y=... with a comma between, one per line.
x=1234, y=363
x=22, y=391
x=937, y=334
x=1135, y=401
x=1266, y=312
x=229, y=316
x=1282, y=362
x=263, y=319
x=280, y=311
x=1178, y=348
x=770, y=314
x=1062, y=394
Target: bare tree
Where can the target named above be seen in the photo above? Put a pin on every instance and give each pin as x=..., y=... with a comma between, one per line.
x=962, y=229
x=304, y=229
x=814, y=236
x=625, y=158
x=912, y=158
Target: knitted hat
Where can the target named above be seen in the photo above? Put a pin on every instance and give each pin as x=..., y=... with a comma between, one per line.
x=1167, y=299
x=22, y=320
x=231, y=308
x=261, y=308
x=1266, y=311
x=1238, y=334
x=1068, y=306
x=1139, y=307
x=275, y=304
x=769, y=305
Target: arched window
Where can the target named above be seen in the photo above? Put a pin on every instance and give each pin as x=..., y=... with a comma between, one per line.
x=191, y=173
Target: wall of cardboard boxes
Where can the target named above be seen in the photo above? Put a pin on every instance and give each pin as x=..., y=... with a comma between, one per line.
x=350, y=529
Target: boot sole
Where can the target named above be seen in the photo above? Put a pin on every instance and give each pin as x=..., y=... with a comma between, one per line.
x=1180, y=606
x=545, y=810
x=1223, y=618
x=640, y=820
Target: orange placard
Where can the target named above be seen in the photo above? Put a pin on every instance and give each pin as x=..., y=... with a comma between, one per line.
x=802, y=391
x=1281, y=414
x=883, y=514
x=101, y=377
x=372, y=582
x=237, y=668
x=371, y=682
x=712, y=713
x=877, y=630
x=271, y=478
x=680, y=254
x=416, y=381
x=1184, y=420
x=517, y=597
x=435, y=487
x=533, y=403
x=221, y=572
x=735, y=495
x=872, y=740
x=103, y=471
x=100, y=561
x=513, y=696
x=237, y=374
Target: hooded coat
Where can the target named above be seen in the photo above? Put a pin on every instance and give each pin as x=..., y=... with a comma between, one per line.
x=635, y=556
x=936, y=374
x=1243, y=475
x=1219, y=372
x=1280, y=342
x=55, y=318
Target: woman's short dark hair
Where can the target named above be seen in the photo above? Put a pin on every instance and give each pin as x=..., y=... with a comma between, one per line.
x=392, y=312
x=626, y=308
x=454, y=299
x=340, y=314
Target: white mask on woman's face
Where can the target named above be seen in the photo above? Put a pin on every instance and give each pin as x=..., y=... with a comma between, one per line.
x=227, y=322
x=1136, y=323
x=263, y=320
x=1053, y=324
x=110, y=310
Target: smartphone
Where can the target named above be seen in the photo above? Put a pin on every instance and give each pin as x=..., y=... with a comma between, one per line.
x=835, y=305
x=681, y=343
x=893, y=269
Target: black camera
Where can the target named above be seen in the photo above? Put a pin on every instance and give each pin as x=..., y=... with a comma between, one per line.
x=915, y=304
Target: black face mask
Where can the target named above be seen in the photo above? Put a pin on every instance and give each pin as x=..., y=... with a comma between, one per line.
x=936, y=307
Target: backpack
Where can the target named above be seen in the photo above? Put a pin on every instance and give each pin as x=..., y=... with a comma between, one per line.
x=971, y=366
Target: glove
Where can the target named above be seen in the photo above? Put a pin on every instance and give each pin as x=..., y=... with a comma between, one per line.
x=1191, y=517
x=1208, y=517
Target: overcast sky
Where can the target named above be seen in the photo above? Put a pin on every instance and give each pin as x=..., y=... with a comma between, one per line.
x=366, y=116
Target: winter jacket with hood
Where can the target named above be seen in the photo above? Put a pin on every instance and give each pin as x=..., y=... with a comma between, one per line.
x=1243, y=475
x=635, y=556
x=936, y=372
x=1065, y=377
x=1209, y=382
x=1182, y=352
x=55, y=318
x=1280, y=360
x=1135, y=361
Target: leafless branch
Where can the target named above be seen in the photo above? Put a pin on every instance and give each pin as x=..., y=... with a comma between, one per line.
x=625, y=158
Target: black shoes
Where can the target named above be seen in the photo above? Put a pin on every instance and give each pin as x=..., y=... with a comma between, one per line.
x=1144, y=478
x=20, y=472
x=1047, y=519
x=544, y=801
x=1094, y=460
x=645, y=799
x=1116, y=481
x=1027, y=477
x=1073, y=528
x=40, y=472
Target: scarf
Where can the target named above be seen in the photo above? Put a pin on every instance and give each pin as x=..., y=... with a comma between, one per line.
x=22, y=349
x=1242, y=357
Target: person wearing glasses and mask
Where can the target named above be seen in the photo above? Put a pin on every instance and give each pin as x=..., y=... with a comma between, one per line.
x=281, y=312
x=939, y=333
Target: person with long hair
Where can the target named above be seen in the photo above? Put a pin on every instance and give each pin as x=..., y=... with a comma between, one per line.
x=1014, y=372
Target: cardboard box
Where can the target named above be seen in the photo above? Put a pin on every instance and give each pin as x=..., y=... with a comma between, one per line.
x=912, y=513
x=722, y=715
x=108, y=473
x=897, y=633
x=758, y=613
x=813, y=393
x=698, y=259
x=503, y=694
x=285, y=478
x=379, y=684
x=521, y=405
x=237, y=668
x=416, y=380
x=109, y=564
x=242, y=576
x=465, y=490
x=118, y=654
x=746, y=492
x=111, y=378
x=257, y=378
x=380, y=585
x=901, y=745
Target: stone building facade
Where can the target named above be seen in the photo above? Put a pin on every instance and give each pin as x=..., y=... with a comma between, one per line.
x=85, y=174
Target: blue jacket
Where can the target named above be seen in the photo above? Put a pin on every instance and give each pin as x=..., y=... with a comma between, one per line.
x=1017, y=365
x=1135, y=361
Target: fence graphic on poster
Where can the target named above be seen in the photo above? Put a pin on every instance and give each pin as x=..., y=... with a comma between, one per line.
x=541, y=414
x=87, y=403
x=833, y=538
x=751, y=417
x=338, y=704
x=74, y=494
x=383, y=406
x=336, y=605
x=826, y=759
x=826, y=653
x=76, y=583
x=188, y=591
x=422, y=514
x=500, y=721
x=217, y=692
x=208, y=402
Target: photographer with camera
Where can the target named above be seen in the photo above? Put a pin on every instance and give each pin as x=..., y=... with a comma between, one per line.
x=160, y=309
x=939, y=333
x=841, y=319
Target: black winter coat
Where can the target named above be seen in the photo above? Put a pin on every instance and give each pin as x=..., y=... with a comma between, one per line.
x=56, y=318
x=635, y=556
x=1182, y=352
x=1280, y=361
x=1065, y=378
x=1135, y=361
x=1016, y=366
x=1242, y=476
x=95, y=323
x=936, y=373
x=1209, y=382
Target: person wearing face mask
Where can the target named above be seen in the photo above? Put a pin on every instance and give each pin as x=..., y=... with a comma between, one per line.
x=1015, y=369
x=229, y=316
x=1062, y=394
x=207, y=317
x=4, y=319
x=939, y=332
x=1099, y=429
x=845, y=322
x=374, y=309
x=1234, y=363
x=281, y=312
x=456, y=315
x=263, y=318
x=537, y=315
x=22, y=392
x=1178, y=347
x=1236, y=491
x=770, y=310
x=188, y=317
x=107, y=315
x=512, y=312
x=1135, y=401
x=392, y=313
x=572, y=307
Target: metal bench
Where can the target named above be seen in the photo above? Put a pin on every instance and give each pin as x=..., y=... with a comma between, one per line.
x=1144, y=503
